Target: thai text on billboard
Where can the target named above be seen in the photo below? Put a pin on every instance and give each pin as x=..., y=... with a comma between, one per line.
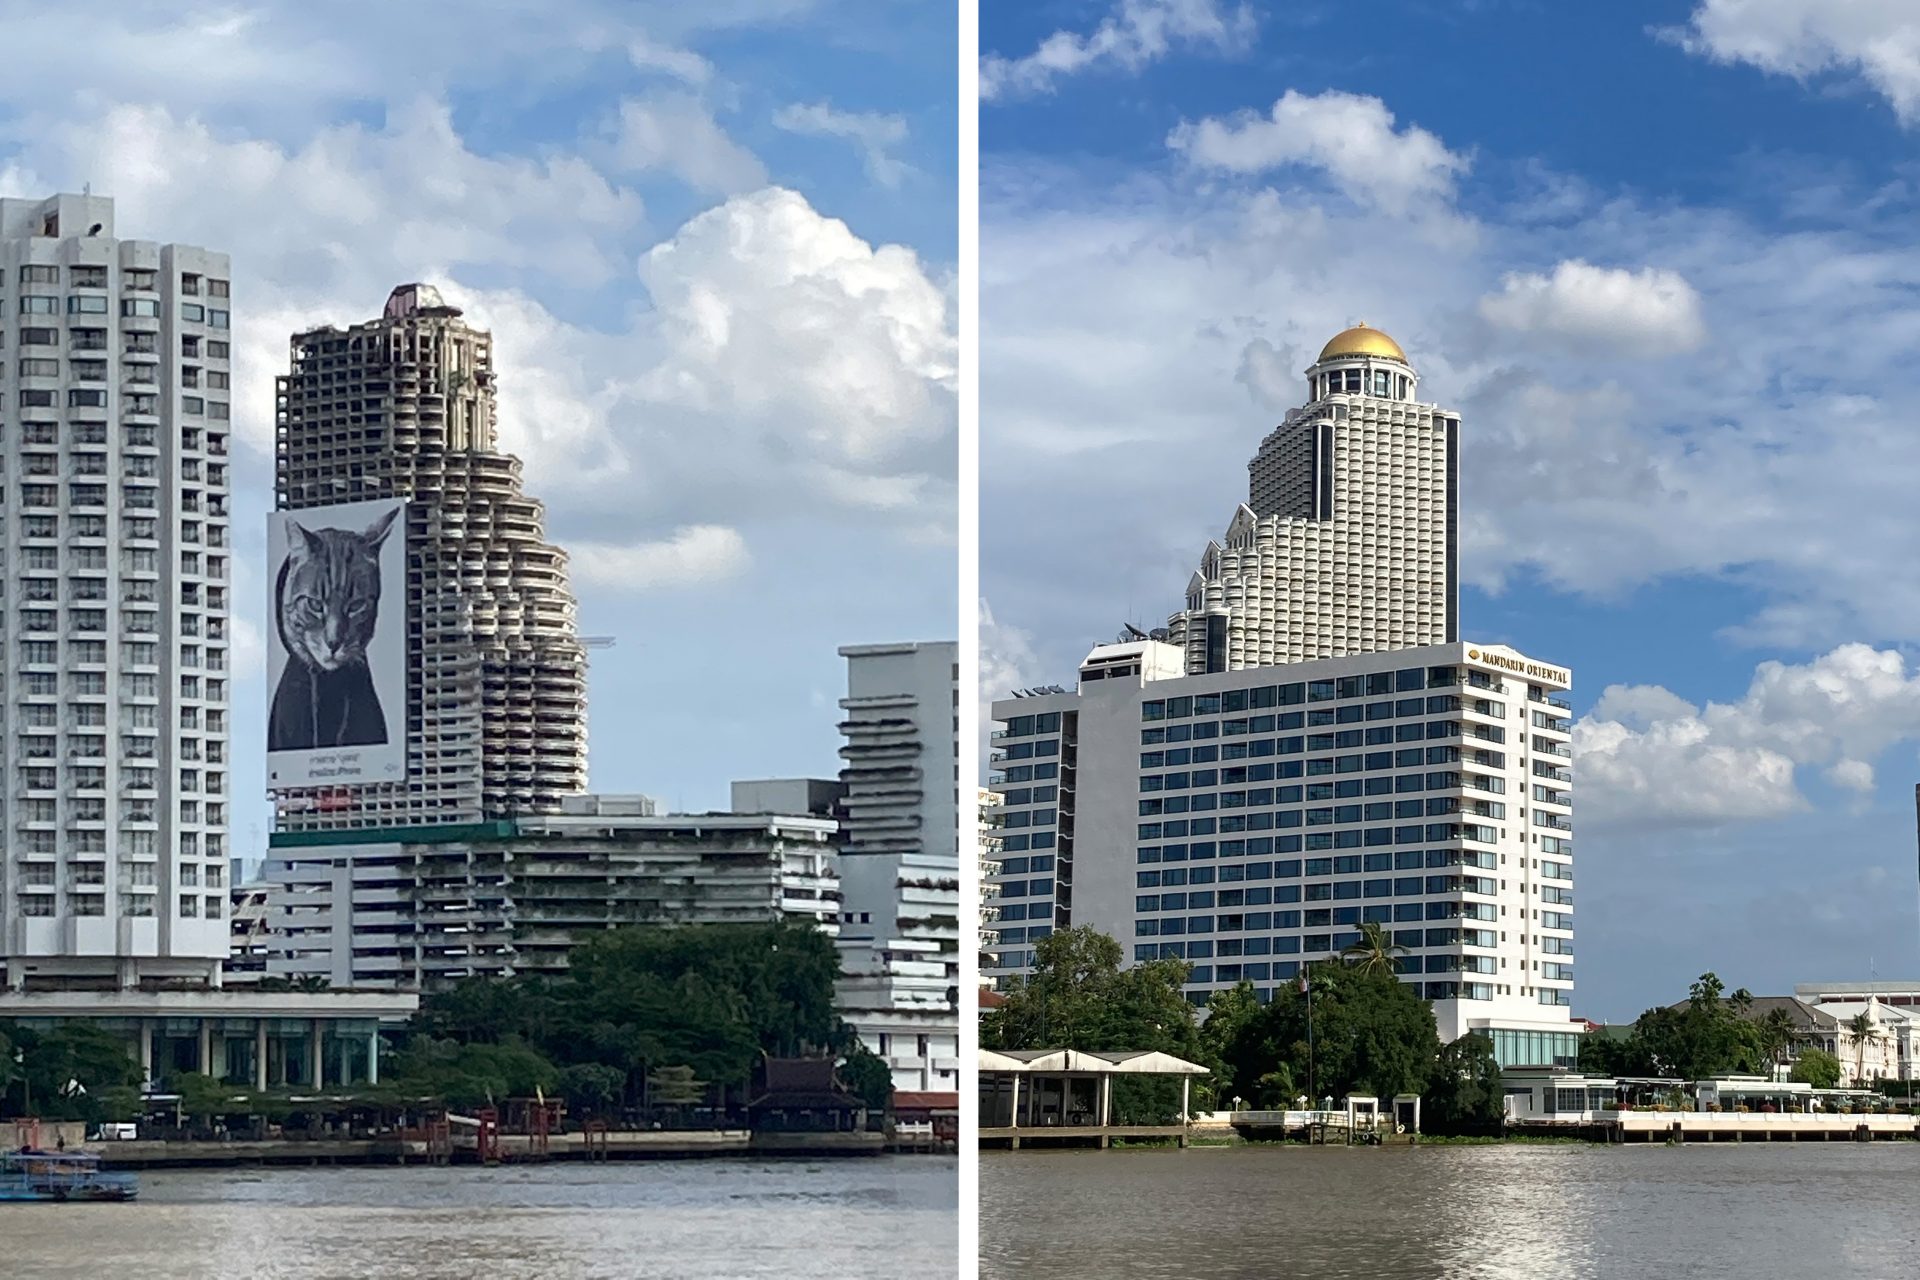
x=337, y=645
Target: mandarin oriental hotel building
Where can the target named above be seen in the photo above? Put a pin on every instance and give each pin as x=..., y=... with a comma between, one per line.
x=1250, y=821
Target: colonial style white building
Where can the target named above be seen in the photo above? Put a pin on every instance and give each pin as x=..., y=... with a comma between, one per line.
x=115, y=417
x=1349, y=539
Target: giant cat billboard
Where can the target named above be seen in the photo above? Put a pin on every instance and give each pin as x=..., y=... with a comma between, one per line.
x=337, y=645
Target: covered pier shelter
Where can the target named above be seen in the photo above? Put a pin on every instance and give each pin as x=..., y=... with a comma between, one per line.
x=1065, y=1096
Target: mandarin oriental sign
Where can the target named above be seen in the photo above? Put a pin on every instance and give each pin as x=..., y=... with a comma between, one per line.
x=1520, y=666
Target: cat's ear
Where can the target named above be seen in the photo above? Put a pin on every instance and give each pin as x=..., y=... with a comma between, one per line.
x=377, y=531
x=308, y=538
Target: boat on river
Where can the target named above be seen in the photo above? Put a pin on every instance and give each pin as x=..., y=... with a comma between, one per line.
x=30, y=1174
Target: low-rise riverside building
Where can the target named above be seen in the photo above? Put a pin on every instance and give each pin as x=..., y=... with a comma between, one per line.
x=422, y=908
x=246, y=1036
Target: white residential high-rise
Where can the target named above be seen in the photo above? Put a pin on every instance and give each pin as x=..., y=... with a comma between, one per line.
x=115, y=408
x=900, y=859
x=1349, y=539
x=1252, y=821
x=495, y=712
x=989, y=838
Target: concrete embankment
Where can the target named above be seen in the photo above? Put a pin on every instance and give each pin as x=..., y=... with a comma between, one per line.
x=646, y=1145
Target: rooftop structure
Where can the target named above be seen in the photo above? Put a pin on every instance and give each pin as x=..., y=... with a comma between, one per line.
x=1349, y=539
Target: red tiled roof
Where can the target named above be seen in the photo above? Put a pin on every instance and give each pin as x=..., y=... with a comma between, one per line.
x=905, y=1101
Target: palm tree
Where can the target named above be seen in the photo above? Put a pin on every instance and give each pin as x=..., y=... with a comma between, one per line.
x=1777, y=1035
x=1864, y=1030
x=1375, y=952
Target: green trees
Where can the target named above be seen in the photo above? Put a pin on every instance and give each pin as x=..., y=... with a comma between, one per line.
x=701, y=1002
x=1711, y=1034
x=1818, y=1068
x=1079, y=997
x=73, y=1072
x=1371, y=1034
x=1464, y=1095
x=868, y=1075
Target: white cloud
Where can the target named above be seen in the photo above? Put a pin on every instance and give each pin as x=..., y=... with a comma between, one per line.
x=770, y=311
x=1008, y=661
x=872, y=132
x=1350, y=137
x=697, y=554
x=1648, y=757
x=677, y=134
x=682, y=64
x=1134, y=34
x=1650, y=311
x=1878, y=40
x=1775, y=458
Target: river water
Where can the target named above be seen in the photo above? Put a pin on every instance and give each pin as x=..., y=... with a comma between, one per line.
x=686, y=1219
x=1749, y=1211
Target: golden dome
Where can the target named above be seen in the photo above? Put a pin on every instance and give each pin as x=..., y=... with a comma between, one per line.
x=1362, y=341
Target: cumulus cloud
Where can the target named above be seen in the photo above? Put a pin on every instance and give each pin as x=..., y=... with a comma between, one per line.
x=1133, y=34
x=1650, y=311
x=1348, y=136
x=1646, y=756
x=1877, y=40
x=702, y=553
x=677, y=133
x=873, y=133
x=771, y=310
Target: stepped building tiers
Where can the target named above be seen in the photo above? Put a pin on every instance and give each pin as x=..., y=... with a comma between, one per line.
x=115, y=421
x=492, y=721
x=1349, y=539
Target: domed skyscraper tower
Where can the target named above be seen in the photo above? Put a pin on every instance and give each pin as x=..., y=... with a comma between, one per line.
x=1349, y=539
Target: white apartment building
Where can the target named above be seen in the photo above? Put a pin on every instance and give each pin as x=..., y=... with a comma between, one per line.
x=900, y=859
x=496, y=706
x=1251, y=821
x=989, y=887
x=115, y=417
x=515, y=896
x=1349, y=540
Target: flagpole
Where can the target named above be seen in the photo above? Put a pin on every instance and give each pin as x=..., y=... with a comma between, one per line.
x=1306, y=985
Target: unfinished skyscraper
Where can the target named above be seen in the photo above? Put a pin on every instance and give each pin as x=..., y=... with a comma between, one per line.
x=402, y=407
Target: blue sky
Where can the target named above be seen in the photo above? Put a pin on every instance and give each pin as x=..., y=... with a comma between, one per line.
x=716, y=246
x=1662, y=258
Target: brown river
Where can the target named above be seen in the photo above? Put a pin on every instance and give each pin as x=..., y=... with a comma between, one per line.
x=1747, y=1212
x=885, y=1218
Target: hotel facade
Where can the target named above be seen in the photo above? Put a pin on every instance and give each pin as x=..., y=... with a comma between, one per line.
x=1309, y=747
